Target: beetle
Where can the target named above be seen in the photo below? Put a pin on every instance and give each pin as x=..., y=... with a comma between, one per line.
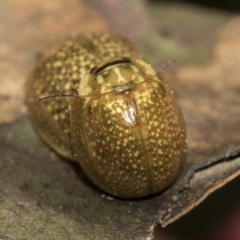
x=122, y=124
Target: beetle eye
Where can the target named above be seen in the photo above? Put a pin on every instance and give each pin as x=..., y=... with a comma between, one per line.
x=92, y=70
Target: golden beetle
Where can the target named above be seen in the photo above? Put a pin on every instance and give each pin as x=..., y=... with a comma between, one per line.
x=122, y=123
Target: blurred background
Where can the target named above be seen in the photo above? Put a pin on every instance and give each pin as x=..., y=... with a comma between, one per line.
x=232, y=5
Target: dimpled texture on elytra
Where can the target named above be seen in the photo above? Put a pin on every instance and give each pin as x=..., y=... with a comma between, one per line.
x=134, y=143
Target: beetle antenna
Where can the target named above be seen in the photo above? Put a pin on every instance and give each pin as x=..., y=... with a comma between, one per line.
x=167, y=64
x=57, y=95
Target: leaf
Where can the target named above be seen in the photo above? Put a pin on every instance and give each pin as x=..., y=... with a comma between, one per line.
x=45, y=199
